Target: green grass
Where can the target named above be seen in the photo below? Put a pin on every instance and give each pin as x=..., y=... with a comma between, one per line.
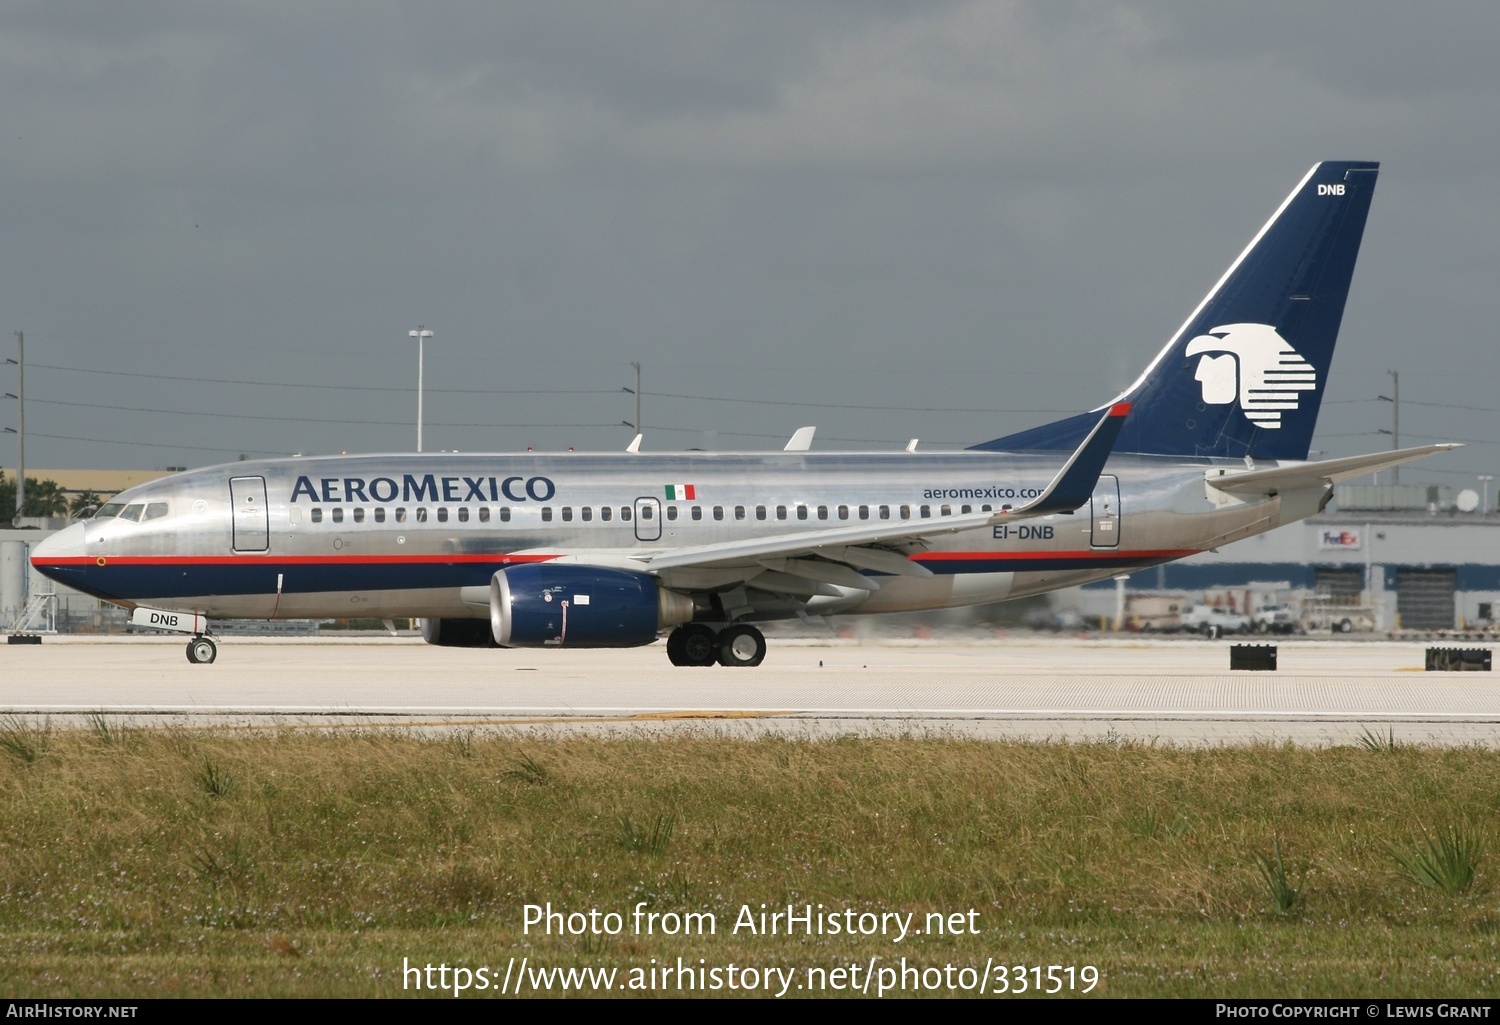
x=152, y=863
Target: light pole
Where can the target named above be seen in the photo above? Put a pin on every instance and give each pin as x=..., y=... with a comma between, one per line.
x=1394, y=398
x=1484, y=503
x=421, y=334
x=21, y=435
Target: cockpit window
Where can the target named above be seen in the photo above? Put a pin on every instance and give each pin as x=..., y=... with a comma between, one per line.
x=109, y=510
x=154, y=511
x=133, y=512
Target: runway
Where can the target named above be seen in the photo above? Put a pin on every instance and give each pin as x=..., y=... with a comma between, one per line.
x=1176, y=691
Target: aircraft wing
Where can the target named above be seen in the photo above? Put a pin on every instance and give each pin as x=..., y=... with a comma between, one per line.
x=868, y=545
x=1325, y=472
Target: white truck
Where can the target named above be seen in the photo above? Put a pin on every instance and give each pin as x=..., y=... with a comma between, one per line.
x=1215, y=621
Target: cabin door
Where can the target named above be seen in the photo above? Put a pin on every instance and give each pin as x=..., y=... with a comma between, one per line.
x=1104, y=507
x=252, y=527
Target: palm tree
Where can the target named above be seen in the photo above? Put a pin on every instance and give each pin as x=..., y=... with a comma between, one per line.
x=45, y=498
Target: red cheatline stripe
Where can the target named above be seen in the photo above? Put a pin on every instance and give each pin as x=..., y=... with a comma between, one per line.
x=1163, y=553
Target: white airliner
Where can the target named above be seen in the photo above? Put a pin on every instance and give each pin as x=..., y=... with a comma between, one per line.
x=1208, y=446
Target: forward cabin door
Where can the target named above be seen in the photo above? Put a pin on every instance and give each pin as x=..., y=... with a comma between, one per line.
x=1104, y=507
x=252, y=527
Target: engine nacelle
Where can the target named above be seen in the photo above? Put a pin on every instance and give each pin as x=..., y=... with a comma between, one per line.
x=547, y=604
x=457, y=633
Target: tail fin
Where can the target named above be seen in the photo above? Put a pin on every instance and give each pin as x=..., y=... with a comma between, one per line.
x=1245, y=374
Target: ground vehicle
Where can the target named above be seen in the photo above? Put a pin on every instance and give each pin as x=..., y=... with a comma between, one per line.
x=1321, y=615
x=1275, y=618
x=1215, y=620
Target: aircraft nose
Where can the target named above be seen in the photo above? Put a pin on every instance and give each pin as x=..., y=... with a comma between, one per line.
x=65, y=544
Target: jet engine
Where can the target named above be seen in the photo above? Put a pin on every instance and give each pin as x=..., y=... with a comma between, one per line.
x=565, y=605
x=457, y=633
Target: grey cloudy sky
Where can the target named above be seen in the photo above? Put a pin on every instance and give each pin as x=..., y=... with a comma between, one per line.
x=945, y=220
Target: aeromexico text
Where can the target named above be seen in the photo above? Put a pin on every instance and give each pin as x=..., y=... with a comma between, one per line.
x=431, y=488
x=428, y=487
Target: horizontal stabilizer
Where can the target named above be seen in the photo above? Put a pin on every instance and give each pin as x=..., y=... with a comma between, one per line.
x=1327, y=471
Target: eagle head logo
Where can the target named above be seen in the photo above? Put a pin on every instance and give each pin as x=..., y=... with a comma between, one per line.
x=1258, y=367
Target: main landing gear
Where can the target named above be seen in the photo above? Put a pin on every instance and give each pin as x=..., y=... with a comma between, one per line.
x=202, y=649
x=696, y=644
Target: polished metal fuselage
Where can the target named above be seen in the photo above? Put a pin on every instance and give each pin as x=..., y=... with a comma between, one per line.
x=426, y=539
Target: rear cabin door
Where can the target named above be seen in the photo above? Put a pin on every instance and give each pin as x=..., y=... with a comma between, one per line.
x=252, y=528
x=647, y=519
x=1104, y=508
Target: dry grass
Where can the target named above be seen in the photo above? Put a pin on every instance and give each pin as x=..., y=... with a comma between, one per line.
x=152, y=863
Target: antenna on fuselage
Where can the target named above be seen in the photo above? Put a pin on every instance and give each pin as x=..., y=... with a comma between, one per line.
x=635, y=446
x=911, y=446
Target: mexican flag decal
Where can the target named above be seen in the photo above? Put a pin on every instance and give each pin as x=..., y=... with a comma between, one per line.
x=681, y=493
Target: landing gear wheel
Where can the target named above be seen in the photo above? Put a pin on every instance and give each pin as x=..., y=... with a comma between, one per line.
x=692, y=645
x=741, y=646
x=202, y=650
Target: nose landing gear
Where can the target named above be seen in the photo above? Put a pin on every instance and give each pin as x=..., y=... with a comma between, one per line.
x=202, y=649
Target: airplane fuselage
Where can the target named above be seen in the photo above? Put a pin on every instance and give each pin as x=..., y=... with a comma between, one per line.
x=422, y=535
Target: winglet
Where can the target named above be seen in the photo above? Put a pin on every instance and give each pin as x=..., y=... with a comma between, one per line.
x=1074, y=484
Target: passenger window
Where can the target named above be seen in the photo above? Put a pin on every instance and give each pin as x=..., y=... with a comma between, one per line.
x=906, y=512
x=947, y=510
x=154, y=511
x=843, y=512
x=822, y=512
x=967, y=509
x=625, y=513
x=646, y=513
x=885, y=512
x=338, y=515
x=718, y=512
x=380, y=514
x=801, y=512
x=484, y=514
x=697, y=512
x=760, y=512
x=316, y=515
x=587, y=513
x=442, y=514
x=985, y=508
x=671, y=512
x=781, y=512
x=926, y=511
x=864, y=512
x=505, y=514
x=463, y=514
x=739, y=512
x=567, y=512
x=133, y=512
x=421, y=514
x=546, y=514
x=401, y=514
x=358, y=514
x=605, y=512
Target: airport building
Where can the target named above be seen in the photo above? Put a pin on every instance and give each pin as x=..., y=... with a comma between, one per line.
x=1412, y=557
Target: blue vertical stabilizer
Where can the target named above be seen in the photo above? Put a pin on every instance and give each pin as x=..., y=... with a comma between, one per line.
x=1245, y=374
